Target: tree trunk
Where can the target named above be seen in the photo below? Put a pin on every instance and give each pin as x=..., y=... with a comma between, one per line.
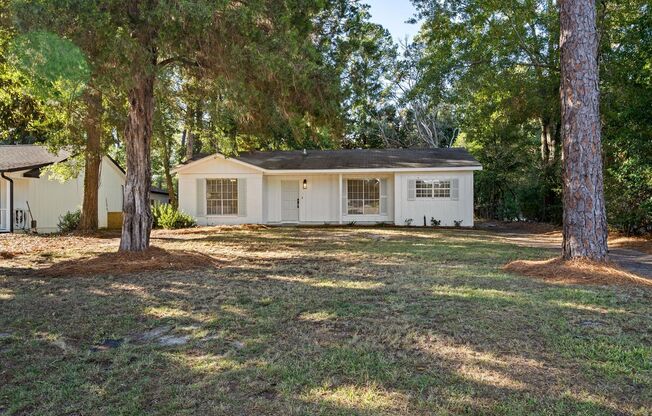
x=168, y=176
x=545, y=152
x=137, y=215
x=585, y=224
x=93, y=159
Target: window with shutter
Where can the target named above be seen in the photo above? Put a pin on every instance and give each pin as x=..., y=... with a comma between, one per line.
x=222, y=196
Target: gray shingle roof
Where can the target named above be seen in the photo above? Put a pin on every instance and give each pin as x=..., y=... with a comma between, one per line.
x=20, y=157
x=358, y=159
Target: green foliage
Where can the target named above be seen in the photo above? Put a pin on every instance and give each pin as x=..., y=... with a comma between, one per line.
x=64, y=171
x=626, y=91
x=166, y=216
x=497, y=64
x=55, y=66
x=69, y=221
x=434, y=222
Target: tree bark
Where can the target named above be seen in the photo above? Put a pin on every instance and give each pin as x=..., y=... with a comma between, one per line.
x=547, y=141
x=93, y=160
x=137, y=215
x=168, y=176
x=585, y=224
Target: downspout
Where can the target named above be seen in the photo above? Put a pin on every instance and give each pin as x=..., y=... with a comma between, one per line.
x=11, y=201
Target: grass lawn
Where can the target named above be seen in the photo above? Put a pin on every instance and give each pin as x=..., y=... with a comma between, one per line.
x=317, y=321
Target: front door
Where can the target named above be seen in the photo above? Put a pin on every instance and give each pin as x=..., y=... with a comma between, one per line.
x=290, y=201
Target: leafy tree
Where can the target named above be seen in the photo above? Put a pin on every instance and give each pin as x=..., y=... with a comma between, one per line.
x=626, y=91
x=264, y=45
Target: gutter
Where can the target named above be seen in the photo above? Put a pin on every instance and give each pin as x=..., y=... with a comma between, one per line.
x=11, y=200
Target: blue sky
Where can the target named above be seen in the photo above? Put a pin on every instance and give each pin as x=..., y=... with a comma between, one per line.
x=392, y=14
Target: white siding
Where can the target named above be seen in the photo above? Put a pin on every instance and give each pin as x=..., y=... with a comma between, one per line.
x=111, y=191
x=214, y=168
x=318, y=203
x=50, y=199
x=321, y=201
x=445, y=210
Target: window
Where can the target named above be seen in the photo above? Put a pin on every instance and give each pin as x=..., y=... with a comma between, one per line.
x=433, y=189
x=222, y=196
x=363, y=196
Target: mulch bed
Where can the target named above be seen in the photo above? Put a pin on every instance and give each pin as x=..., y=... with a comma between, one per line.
x=576, y=272
x=119, y=263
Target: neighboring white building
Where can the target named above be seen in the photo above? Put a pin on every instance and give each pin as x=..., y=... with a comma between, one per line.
x=26, y=195
x=364, y=186
x=158, y=196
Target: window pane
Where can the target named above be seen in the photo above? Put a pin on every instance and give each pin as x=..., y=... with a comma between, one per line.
x=354, y=206
x=222, y=196
x=423, y=189
x=372, y=189
x=371, y=207
x=442, y=189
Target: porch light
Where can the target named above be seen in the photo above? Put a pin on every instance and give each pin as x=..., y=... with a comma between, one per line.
x=305, y=184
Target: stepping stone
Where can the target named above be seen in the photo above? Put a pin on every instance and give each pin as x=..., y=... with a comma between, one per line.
x=107, y=344
x=171, y=340
x=591, y=324
x=152, y=334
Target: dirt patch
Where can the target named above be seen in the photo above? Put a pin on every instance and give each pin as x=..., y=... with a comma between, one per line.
x=154, y=258
x=575, y=272
x=517, y=227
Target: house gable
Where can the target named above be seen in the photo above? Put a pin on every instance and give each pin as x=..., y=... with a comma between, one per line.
x=216, y=164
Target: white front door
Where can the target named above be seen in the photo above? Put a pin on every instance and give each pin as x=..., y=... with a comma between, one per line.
x=290, y=201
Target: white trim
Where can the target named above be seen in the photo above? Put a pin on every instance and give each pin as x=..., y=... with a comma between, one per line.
x=363, y=171
x=339, y=205
x=318, y=171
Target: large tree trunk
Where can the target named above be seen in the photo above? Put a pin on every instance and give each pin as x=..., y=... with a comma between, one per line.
x=93, y=159
x=137, y=215
x=585, y=223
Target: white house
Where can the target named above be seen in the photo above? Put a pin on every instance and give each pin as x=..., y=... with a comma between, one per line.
x=31, y=200
x=362, y=186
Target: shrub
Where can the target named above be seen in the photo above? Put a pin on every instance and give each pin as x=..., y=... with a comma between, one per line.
x=166, y=216
x=69, y=221
x=458, y=223
x=434, y=222
x=408, y=221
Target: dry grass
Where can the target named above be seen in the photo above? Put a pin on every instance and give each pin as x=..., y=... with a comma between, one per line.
x=575, y=272
x=324, y=321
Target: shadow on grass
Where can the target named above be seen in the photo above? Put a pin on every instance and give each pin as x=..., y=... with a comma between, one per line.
x=369, y=328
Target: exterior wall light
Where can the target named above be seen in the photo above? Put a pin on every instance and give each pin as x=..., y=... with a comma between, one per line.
x=305, y=184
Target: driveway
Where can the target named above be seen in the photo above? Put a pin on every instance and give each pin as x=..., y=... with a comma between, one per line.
x=632, y=260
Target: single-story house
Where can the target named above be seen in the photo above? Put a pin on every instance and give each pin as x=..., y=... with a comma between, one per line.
x=30, y=200
x=362, y=186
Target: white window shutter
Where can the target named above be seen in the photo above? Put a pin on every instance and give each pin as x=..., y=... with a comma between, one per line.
x=412, y=189
x=242, y=197
x=455, y=189
x=201, y=197
x=383, y=196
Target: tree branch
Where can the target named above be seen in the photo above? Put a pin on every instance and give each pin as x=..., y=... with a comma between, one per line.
x=178, y=60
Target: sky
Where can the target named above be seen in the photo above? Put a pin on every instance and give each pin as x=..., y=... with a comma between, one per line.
x=392, y=14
